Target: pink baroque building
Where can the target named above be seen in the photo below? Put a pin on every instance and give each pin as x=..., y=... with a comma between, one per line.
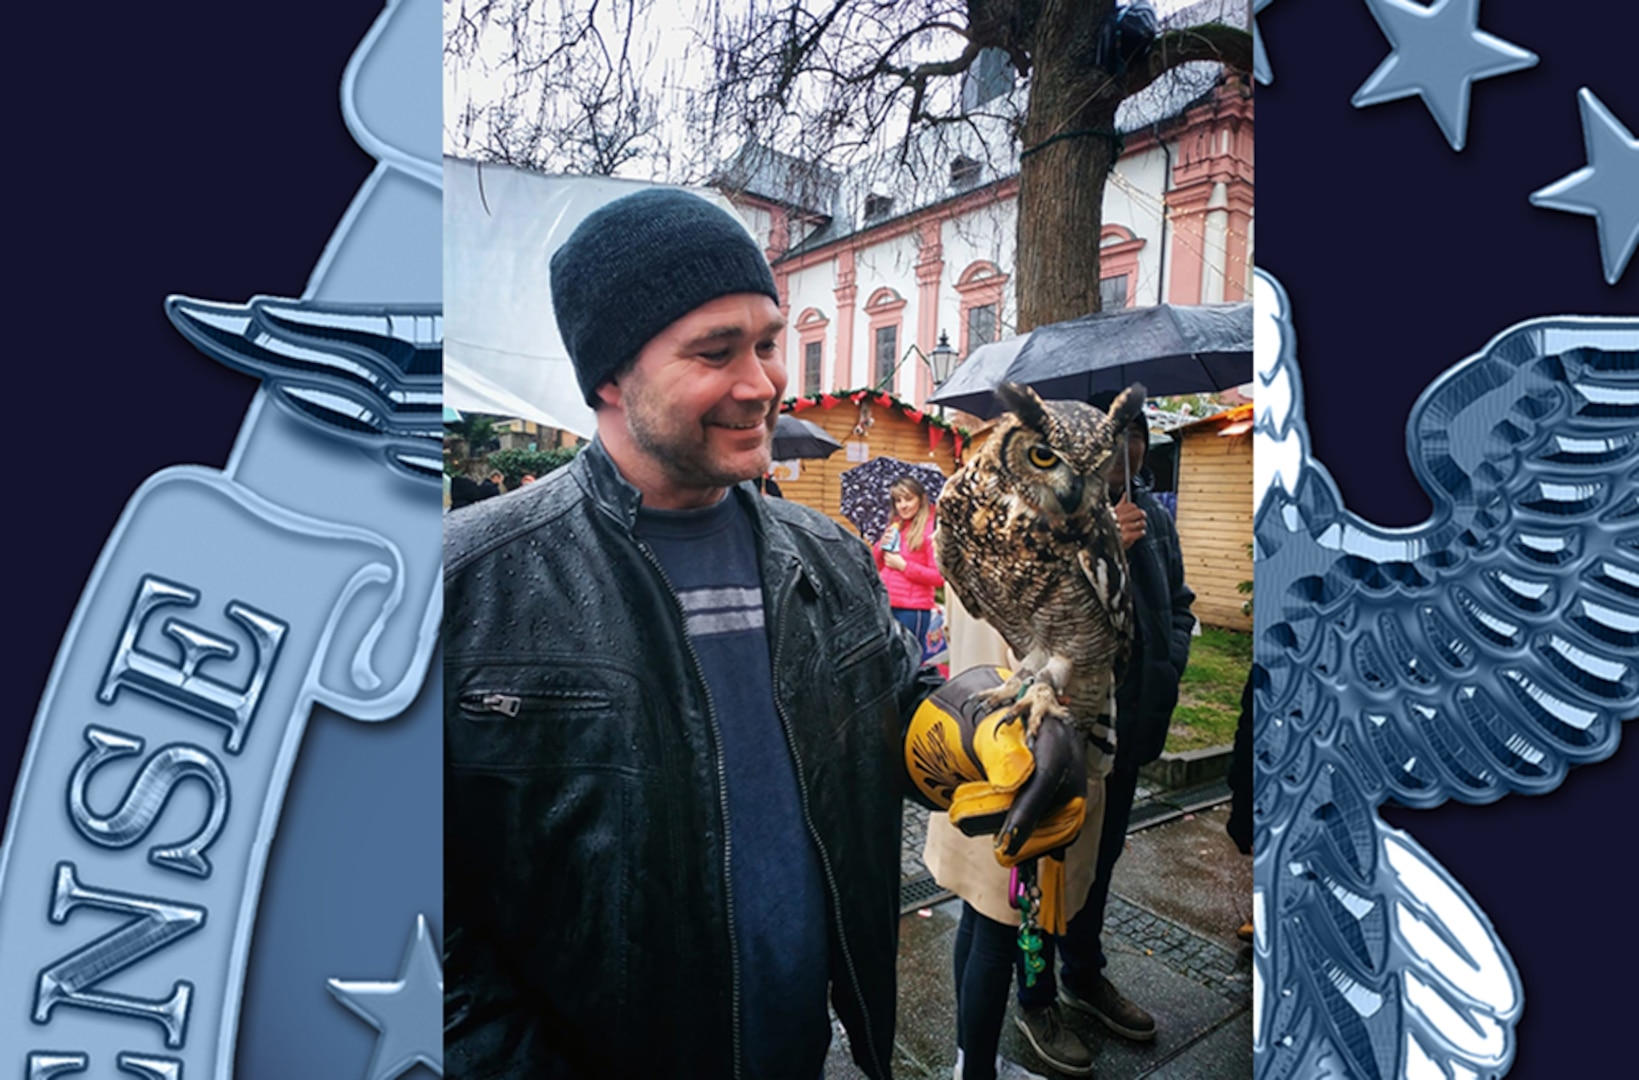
x=867, y=266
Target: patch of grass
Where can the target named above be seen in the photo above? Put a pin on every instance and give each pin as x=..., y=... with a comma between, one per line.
x=1209, y=695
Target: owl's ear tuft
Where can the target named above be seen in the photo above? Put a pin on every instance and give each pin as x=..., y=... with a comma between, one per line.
x=1126, y=406
x=1023, y=402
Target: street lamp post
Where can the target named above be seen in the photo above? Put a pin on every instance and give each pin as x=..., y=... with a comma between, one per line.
x=942, y=361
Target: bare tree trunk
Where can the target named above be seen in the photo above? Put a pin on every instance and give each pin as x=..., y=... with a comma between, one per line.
x=1069, y=149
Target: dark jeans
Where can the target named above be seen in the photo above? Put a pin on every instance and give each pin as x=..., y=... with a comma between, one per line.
x=917, y=622
x=1081, y=951
x=985, y=950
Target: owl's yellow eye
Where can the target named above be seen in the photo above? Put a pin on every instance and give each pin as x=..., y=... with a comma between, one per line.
x=1043, y=458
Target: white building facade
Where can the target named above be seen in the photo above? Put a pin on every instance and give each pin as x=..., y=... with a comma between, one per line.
x=861, y=286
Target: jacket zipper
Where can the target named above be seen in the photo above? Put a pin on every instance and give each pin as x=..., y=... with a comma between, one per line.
x=512, y=705
x=813, y=833
x=506, y=704
x=722, y=800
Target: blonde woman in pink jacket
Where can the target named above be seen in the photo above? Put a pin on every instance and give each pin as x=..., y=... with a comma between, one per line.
x=904, y=558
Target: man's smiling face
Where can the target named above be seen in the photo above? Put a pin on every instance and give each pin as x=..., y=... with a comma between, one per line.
x=695, y=413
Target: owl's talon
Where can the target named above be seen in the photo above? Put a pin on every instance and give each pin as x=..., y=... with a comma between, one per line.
x=1000, y=696
x=1038, y=702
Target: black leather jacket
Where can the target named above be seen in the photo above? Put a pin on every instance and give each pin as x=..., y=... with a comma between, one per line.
x=588, y=905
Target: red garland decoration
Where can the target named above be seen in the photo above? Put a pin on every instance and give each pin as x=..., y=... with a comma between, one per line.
x=802, y=403
x=828, y=401
x=914, y=414
x=936, y=435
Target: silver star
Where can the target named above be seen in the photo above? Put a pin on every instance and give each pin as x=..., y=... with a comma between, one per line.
x=409, y=1013
x=1439, y=52
x=1261, y=70
x=1607, y=188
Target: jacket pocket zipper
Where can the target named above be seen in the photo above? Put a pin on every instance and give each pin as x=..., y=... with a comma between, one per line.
x=512, y=705
x=859, y=650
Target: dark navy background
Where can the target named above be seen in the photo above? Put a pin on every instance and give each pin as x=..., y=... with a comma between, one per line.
x=191, y=148
x=1402, y=257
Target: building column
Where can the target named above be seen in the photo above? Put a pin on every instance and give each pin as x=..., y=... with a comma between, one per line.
x=930, y=268
x=1238, y=242
x=846, y=292
x=1187, y=210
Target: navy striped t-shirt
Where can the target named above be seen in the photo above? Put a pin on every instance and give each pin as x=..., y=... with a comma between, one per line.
x=710, y=557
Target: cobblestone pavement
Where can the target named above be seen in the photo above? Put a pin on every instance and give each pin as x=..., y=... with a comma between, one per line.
x=913, y=836
x=1172, y=950
x=1188, y=953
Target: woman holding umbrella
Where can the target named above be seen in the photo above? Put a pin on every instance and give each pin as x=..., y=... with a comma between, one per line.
x=904, y=558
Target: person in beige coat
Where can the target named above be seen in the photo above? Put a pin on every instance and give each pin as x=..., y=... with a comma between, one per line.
x=987, y=940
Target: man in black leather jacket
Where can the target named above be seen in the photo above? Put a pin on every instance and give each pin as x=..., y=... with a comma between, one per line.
x=672, y=794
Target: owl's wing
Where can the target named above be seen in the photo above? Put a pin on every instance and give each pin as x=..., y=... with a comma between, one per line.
x=1490, y=648
x=1380, y=966
x=1105, y=568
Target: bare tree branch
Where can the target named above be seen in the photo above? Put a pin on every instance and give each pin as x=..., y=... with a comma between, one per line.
x=1227, y=45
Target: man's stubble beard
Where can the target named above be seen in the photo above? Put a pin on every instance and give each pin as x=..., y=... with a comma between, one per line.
x=685, y=454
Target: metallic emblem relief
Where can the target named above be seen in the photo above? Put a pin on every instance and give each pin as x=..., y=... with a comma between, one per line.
x=1606, y=189
x=1481, y=653
x=154, y=925
x=1439, y=53
x=182, y=685
x=147, y=797
x=408, y=1011
x=46, y=1065
x=230, y=788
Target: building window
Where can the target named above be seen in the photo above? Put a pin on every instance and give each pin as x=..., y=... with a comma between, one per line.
x=1118, y=250
x=877, y=206
x=887, y=355
x=983, y=289
x=986, y=79
x=964, y=172
x=981, y=325
x=886, y=311
x=811, y=368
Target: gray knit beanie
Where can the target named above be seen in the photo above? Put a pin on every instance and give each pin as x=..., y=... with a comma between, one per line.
x=639, y=264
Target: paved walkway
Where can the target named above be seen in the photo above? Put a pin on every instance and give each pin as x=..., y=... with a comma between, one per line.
x=1180, y=892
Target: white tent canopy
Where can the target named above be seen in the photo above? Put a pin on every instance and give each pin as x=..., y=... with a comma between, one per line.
x=502, y=351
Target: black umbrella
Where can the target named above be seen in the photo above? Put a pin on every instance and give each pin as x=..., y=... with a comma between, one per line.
x=795, y=437
x=1170, y=348
x=972, y=386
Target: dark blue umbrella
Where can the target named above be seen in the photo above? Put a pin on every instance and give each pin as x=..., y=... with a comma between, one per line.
x=865, y=499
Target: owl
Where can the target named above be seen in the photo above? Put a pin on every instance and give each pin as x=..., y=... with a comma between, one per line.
x=1028, y=541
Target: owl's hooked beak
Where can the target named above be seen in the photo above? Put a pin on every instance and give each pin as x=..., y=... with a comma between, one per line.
x=1069, y=492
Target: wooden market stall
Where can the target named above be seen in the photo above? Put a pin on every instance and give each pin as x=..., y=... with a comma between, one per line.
x=1215, y=513
x=869, y=424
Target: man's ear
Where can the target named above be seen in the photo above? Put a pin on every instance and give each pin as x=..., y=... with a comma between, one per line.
x=609, y=393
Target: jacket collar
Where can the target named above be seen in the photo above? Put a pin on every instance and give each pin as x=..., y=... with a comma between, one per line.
x=617, y=497
x=611, y=492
